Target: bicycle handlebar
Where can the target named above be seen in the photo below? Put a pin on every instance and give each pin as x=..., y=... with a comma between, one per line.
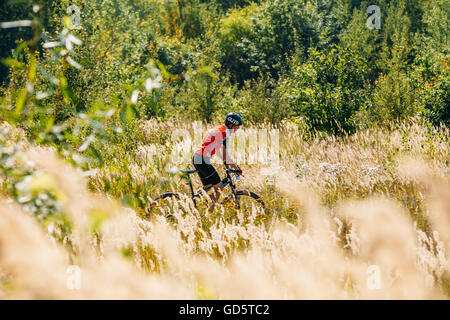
x=239, y=171
x=234, y=171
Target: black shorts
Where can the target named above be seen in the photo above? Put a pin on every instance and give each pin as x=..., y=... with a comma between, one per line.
x=206, y=171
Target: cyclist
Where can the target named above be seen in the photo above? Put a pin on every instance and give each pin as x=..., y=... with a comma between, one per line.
x=212, y=142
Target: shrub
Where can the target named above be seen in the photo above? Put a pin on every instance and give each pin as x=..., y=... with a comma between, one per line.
x=328, y=89
x=436, y=101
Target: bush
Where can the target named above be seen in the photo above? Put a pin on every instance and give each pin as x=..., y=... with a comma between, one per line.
x=436, y=101
x=233, y=44
x=395, y=98
x=328, y=89
x=203, y=94
x=259, y=39
x=261, y=101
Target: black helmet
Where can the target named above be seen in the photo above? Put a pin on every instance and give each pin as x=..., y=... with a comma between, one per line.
x=233, y=118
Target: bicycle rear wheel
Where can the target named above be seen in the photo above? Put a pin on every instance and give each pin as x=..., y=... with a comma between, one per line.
x=245, y=201
x=163, y=204
x=167, y=203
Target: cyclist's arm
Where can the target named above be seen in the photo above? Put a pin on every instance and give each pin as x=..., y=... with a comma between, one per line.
x=225, y=156
x=227, y=159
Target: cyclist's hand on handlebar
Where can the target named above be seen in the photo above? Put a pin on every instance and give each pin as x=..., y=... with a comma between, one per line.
x=238, y=169
x=234, y=167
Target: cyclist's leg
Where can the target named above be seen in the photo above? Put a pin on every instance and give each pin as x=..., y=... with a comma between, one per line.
x=217, y=189
x=208, y=176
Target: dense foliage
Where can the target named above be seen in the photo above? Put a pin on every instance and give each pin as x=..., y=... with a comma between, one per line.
x=316, y=59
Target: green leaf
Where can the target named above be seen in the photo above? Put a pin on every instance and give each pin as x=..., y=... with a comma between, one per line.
x=127, y=253
x=166, y=74
x=93, y=151
x=69, y=96
x=129, y=88
x=206, y=70
x=20, y=48
x=96, y=219
x=21, y=101
x=128, y=113
x=12, y=63
x=47, y=129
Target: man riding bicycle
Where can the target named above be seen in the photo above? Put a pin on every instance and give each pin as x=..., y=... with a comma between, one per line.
x=212, y=142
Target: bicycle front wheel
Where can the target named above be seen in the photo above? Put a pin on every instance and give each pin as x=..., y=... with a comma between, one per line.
x=245, y=201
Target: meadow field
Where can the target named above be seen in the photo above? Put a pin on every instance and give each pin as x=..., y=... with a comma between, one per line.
x=359, y=217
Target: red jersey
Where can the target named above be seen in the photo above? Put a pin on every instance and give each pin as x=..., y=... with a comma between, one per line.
x=213, y=141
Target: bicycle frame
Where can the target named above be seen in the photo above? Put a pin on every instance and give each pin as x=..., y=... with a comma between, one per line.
x=234, y=196
x=225, y=182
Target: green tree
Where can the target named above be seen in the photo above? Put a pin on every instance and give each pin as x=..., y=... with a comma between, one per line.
x=362, y=40
x=260, y=39
x=328, y=89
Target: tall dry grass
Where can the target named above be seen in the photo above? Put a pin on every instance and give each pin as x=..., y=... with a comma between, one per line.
x=340, y=208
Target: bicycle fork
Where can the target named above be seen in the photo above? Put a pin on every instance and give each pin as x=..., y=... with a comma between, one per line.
x=233, y=190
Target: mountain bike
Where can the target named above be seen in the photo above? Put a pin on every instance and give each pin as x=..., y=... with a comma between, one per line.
x=242, y=200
